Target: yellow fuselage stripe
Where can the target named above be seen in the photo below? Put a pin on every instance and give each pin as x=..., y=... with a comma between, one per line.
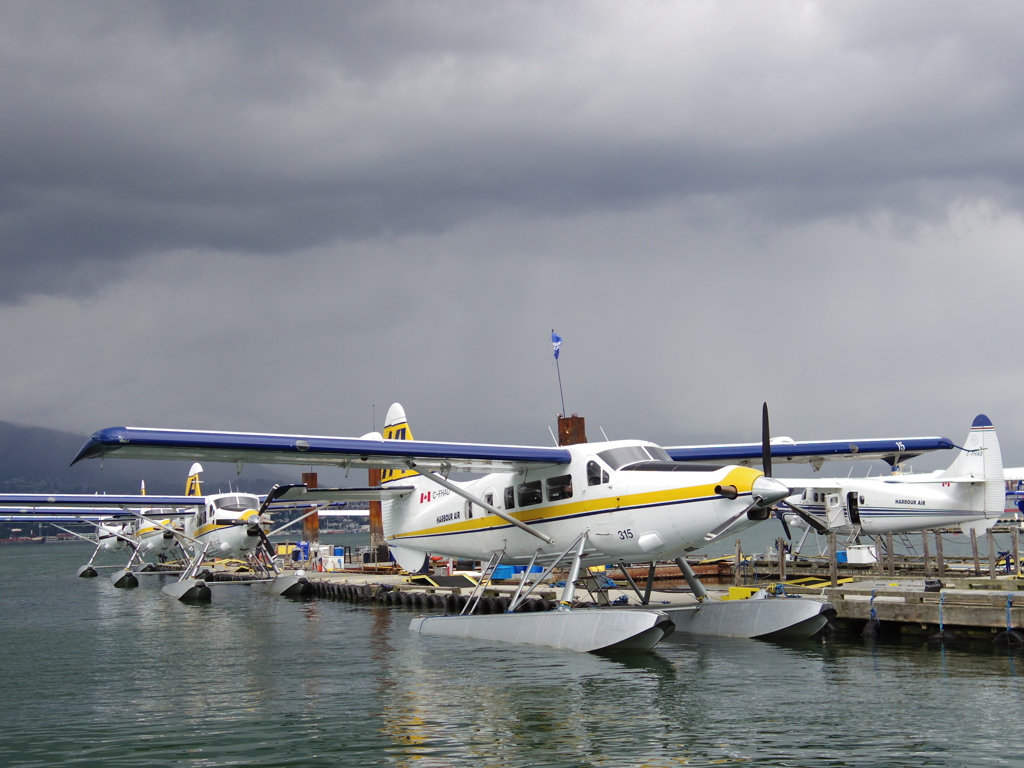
x=214, y=526
x=741, y=477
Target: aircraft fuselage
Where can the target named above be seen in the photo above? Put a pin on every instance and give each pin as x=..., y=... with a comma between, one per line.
x=634, y=507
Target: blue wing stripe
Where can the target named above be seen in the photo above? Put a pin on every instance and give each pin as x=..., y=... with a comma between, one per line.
x=95, y=501
x=823, y=448
x=136, y=442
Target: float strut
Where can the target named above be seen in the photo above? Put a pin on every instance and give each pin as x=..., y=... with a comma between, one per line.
x=569, y=591
x=691, y=579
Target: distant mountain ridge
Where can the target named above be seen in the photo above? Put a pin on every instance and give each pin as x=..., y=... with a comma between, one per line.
x=36, y=460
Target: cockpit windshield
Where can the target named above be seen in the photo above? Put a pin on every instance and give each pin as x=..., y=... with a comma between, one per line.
x=658, y=453
x=239, y=503
x=616, y=458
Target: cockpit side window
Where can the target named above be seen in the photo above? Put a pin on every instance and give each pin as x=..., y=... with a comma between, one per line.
x=593, y=473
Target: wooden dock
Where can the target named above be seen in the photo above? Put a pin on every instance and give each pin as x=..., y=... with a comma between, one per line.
x=964, y=607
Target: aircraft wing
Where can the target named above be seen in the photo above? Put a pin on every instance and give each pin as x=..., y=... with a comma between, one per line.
x=891, y=450
x=53, y=514
x=348, y=452
x=68, y=516
x=95, y=501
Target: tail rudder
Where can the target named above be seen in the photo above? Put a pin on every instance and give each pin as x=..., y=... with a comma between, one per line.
x=981, y=459
x=396, y=427
x=193, y=486
x=393, y=512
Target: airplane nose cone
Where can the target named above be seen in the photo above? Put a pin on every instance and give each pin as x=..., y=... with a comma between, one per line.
x=769, y=490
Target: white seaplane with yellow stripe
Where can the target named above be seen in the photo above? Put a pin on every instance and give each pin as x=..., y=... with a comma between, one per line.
x=591, y=503
x=227, y=525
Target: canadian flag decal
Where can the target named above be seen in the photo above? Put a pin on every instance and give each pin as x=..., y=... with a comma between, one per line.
x=424, y=497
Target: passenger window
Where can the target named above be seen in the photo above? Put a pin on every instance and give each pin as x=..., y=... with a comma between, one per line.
x=469, y=510
x=593, y=473
x=530, y=494
x=510, y=498
x=489, y=498
x=560, y=487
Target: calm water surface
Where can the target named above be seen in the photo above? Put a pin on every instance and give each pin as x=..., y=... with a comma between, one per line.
x=95, y=676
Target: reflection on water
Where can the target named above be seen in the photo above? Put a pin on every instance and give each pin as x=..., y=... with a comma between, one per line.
x=99, y=676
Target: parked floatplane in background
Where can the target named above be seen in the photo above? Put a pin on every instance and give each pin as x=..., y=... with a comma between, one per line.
x=588, y=503
x=970, y=494
x=226, y=525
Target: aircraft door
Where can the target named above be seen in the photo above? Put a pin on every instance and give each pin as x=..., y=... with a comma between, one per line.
x=853, y=507
x=835, y=512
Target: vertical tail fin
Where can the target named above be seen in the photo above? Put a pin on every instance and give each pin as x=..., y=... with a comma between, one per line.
x=982, y=459
x=193, y=485
x=396, y=427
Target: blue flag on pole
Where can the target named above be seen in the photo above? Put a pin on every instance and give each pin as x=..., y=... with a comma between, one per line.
x=556, y=342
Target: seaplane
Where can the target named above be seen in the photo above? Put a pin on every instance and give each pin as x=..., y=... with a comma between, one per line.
x=117, y=520
x=970, y=494
x=585, y=503
x=225, y=525
x=162, y=537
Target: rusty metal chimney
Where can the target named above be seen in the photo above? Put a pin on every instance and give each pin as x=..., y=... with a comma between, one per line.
x=572, y=430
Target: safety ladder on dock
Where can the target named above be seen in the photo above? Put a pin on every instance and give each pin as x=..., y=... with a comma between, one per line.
x=906, y=541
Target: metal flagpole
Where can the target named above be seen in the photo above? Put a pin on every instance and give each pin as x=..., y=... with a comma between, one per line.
x=556, y=342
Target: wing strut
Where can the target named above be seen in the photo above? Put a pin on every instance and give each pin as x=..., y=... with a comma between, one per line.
x=476, y=500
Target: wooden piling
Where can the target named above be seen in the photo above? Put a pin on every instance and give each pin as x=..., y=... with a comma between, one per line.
x=780, y=545
x=879, y=562
x=311, y=525
x=833, y=560
x=737, y=578
x=889, y=555
x=1015, y=549
x=927, y=554
x=938, y=554
x=974, y=551
x=991, y=554
x=377, y=541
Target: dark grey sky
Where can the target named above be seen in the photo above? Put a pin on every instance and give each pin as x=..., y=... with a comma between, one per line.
x=269, y=216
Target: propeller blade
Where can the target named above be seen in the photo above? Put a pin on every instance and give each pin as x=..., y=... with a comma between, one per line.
x=265, y=540
x=807, y=517
x=729, y=523
x=782, y=519
x=276, y=492
x=766, y=442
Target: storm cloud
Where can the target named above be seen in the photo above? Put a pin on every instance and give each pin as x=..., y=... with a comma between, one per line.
x=283, y=217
